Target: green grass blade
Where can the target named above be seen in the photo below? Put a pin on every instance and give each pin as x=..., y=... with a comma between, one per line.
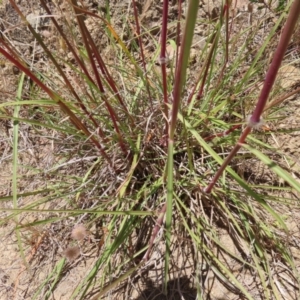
x=240, y=181
x=55, y=272
x=274, y=167
x=170, y=183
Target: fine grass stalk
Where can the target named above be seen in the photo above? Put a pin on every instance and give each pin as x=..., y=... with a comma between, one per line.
x=255, y=120
x=124, y=138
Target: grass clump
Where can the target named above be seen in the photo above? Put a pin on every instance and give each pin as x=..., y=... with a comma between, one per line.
x=132, y=140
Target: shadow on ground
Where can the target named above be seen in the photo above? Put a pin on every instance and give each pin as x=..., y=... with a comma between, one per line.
x=178, y=289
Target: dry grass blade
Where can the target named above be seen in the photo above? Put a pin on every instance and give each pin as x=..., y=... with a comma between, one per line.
x=126, y=112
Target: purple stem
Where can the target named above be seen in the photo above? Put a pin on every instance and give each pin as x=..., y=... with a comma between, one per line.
x=178, y=32
x=228, y=159
x=73, y=118
x=270, y=79
x=277, y=59
x=138, y=31
x=163, y=60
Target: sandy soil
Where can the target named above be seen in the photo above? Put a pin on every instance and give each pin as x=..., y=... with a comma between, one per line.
x=45, y=248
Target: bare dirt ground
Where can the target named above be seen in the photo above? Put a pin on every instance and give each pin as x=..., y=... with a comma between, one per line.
x=45, y=249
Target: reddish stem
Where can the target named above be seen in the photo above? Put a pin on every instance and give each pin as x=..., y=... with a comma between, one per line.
x=138, y=31
x=178, y=32
x=224, y=133
x=270, y=79
x=277, y=59
x=163, y=60
x=73, y=118
x=226, y=12
x=92, y=49
x=200, y=92
x=68, y=83
x=228, y=159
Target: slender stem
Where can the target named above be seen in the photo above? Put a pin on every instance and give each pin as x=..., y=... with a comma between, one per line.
x=163, y=60
x=277, y=59
x=281, y=99
x=226, y=12
x=228, y=159
x=221, y=134
x=138, y=31
x=270, y=79
x=155, y=231
x=207, y=65
x=178, y=88
x=73, y=118
x=178, y=32
x=59, y=69
x=92, y=52
x=183, y=63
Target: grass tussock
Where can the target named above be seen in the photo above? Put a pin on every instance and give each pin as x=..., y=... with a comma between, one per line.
x=146, y=148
